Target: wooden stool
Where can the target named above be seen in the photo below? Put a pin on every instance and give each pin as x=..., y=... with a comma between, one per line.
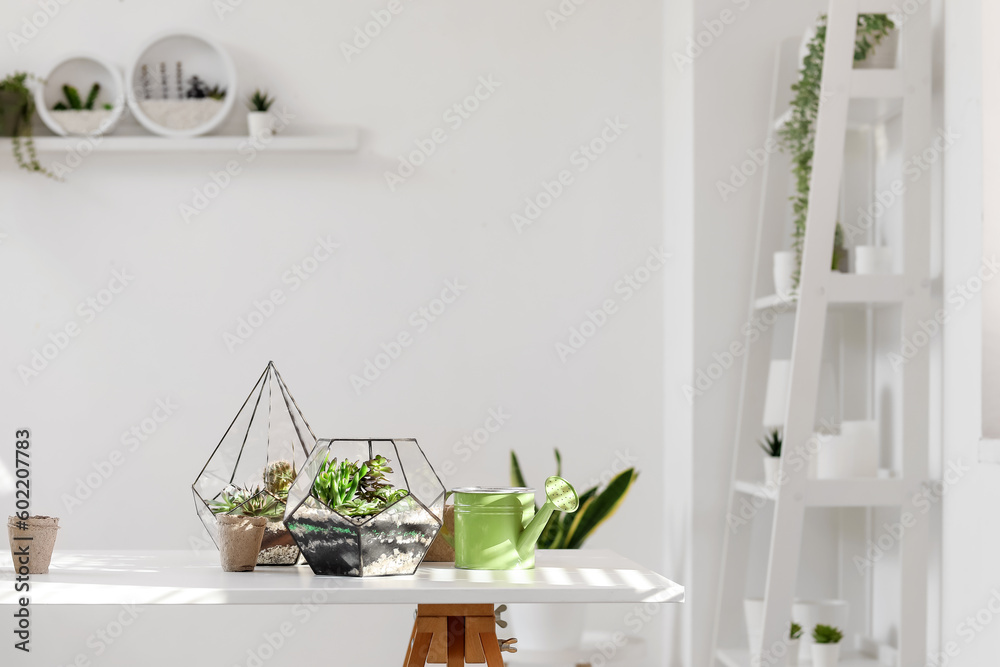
x=456, y=634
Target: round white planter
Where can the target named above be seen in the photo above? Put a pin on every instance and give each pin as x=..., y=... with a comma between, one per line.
x=81, y=71
x=825, y=655
x=158, y=100
x=548, y=627
x=810, y=613
x=784, y=272
x=772, y=466
x=259, y=123
x=793, y=652
x=869, y=259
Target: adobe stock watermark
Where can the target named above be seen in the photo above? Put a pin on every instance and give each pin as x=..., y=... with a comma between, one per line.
x=470, y=444
x=454, y=118
x=759, y=324
x=711, y=31
x=370, y=30
x=420, y=321
x=912, y=170
x=957, y=297
x=294, y=277
x=580, y=160
x=562, y=12
x=893, y=533
x=86, y=312
x=33, y=24
x=218, y=181
x=740, y=175
x=626, y=288
x=99, y=641
x=131, y=440
x=967, y=630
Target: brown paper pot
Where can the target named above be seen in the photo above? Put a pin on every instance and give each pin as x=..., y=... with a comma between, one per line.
x=441, y=551
x=39, y=535
x=239, y=541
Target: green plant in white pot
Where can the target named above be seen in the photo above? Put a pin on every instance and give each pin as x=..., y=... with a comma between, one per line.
x=826, y=649
x=794, y=637
x=771, y=444
x=555, y=627
x=259, y=120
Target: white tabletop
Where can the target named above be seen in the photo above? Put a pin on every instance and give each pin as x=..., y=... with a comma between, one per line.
x=188, y=577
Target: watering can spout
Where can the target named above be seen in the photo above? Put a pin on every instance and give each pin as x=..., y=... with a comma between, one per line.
x=559, y=495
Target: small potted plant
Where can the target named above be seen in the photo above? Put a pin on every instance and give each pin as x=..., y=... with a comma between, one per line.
x=794, y=635
x=771, y=444
x=78, y=115
x=17, y=108
x=259, y=116
x=39, y=532
x=241, y=517
x=826, y=649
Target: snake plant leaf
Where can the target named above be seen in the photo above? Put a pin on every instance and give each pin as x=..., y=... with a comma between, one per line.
x=516, y=478
x=599, y=508
x=566, y=519
x=558, y=463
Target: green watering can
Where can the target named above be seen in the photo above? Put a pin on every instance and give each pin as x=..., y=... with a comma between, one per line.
x=496, y=529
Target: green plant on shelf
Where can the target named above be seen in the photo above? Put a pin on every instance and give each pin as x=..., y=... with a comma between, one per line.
x=827, y=634
x=356, y=488
x=597, y=505
x=259, y=101
x=794, y=631
x=771, y=443
x=73, y=101
x=17, y=108
x=797, y=135
x=248, y=501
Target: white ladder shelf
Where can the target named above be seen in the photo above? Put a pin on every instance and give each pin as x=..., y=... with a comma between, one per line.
x=819, y=290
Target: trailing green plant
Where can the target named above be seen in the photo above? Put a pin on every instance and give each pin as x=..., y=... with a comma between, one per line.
x=23, y=141
x=771, y=443
x=260, y=101
x=797, y=135
x=570, y=530
x=73, y=102
x=795, y=631
x=827, y=634
x=248, y=501
x=356, y=488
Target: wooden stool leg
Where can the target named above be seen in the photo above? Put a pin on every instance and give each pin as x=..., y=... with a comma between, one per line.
x=409, y=647
x=421, y=645
x=456, y=641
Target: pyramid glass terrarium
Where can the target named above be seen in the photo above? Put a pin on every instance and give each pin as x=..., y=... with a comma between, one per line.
x=365, y=507
x=253, y=467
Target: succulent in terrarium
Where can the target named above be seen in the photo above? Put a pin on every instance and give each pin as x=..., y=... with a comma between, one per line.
x=278, y=477
x=355, y=488
x=248, y=501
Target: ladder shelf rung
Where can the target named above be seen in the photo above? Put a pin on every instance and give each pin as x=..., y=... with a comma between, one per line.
x=846, y=289
x=836, y=492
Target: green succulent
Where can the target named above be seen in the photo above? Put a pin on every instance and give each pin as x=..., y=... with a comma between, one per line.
x=278, y=477
x=355, y=488
x=827, y=634
x=248, y=502
x=571, y=530
x=771, y=443
x=260, y=101
x=215, y=93
x=797, y=135
x=73, y=101
x=795, y=631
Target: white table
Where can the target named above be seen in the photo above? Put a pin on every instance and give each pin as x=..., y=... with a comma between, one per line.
x=189, y=577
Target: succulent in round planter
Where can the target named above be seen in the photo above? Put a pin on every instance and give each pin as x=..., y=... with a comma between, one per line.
x=365, y=507
x=826, y=646
x=17, y=108
x=253, y=467
x=259, y=120
x=32, y=540
x=771, y=444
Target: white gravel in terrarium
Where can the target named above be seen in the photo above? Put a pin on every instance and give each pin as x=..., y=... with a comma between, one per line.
x=181, y=114
x=82, y=121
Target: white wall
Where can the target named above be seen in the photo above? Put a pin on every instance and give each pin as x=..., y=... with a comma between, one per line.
x=162, y=337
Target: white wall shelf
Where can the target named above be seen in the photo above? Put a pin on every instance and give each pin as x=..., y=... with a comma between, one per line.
x=741, y=658
x=346, y=139
x=837, y=492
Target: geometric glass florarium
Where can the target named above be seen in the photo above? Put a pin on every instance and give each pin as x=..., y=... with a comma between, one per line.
x=365, y=507
x=254, y=465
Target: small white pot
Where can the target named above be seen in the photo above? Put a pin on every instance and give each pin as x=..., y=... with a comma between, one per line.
x=772, y=465
x=793, y=653
x=825, y=655
x=784, y=272
x=869, y=259
x=259, y=123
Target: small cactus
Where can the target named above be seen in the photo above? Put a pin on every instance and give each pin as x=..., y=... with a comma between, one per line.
x=278, y=477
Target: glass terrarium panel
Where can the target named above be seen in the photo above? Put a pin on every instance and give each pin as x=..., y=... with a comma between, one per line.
x=329, y=542
x=422, y=480
x=302, y=486
x=395, y=541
